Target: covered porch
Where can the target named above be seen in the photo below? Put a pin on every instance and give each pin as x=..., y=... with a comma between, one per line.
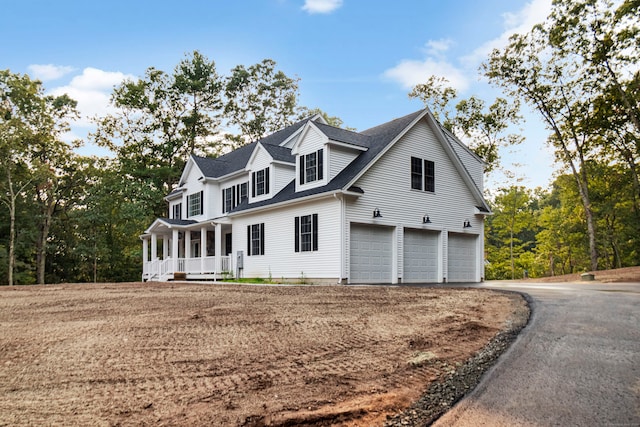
x=185, y=249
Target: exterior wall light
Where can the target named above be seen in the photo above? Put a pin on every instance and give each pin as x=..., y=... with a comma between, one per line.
x=425, y=219
x=376, y=213
x=467, y=224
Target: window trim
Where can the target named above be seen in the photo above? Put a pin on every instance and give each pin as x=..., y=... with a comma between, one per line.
x=423, y=175
x=299, y=243
x=316, y=170
x=265, y=187
x=177, y=208
x=233, y=196
x=192, y=206
x=255, y=239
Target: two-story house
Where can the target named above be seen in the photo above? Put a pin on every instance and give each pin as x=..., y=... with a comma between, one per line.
x=398, y=203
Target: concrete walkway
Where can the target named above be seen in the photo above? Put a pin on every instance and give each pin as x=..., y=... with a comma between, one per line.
x=577, y=363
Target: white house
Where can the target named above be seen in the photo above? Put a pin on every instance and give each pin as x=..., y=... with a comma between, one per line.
x=398, y=203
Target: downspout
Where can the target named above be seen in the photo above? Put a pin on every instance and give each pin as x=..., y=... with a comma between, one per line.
x=340, y=198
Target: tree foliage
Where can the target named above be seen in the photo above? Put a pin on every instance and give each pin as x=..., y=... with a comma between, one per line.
x=485, y=128
x=575, y=70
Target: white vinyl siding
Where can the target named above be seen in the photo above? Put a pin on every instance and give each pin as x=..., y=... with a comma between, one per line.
x=282, y=176
x=312, y=142
x=280, y=259
x=387, y=186
x=339, y=158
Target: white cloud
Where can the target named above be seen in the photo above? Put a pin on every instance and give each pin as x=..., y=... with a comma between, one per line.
x=92, y=89
x=438, y=47
x=321, y=6
x=520, y=22
x=49, y=71
x=411, y=72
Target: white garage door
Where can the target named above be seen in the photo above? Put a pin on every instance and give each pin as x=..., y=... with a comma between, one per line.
x=461, y=258
x=420, y=256
x=371, y=254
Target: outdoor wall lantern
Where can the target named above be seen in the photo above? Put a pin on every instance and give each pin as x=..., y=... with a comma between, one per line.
x=467, y=224
x=425, y=219
x=376, y=213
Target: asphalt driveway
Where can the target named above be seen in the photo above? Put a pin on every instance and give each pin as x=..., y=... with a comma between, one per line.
x=577, y=363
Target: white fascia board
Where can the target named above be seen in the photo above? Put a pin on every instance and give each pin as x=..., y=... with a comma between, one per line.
x=462, y=170
x=175, y=195
x=347, y=145
x=293, y=202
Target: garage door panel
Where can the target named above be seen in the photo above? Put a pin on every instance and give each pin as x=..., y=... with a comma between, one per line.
x=461, y=258
x=420, y=256
x=371, y=254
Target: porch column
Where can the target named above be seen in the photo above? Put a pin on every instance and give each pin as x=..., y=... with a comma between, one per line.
x=145, y=250
x=203, y=247
x=154, y=246
x=165, y=246
x=187, y=244
x=174, y=250
x=218, y=248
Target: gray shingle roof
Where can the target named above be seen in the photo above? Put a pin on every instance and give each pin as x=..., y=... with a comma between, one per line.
x=237, y=159
x=343, y=135
x=378, y=138
x=178, y=221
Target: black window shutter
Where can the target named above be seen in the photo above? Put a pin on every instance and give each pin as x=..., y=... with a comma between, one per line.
x=248, y=240
x=301, y=167
x=253, y=184
x=262, y=238
x=201, y=202
x=315, y=232
x=297, y=234
x=320, y=161
x=266, y=181
x=223, y=201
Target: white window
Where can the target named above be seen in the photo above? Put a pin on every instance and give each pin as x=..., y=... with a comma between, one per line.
x=177, y=211
x=311, y=166
x=255, y=239
x=194, y=204
x=233, y=196
x=423, y=175
x=306, y=233
x=260, y=182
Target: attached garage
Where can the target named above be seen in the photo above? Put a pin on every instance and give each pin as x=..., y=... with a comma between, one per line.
x=462, y=258
x=420, y=256
x=371, y=254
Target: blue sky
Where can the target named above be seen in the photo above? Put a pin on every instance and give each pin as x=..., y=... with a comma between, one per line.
x=356, y=59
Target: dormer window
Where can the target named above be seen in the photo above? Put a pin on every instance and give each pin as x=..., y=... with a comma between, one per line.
x=260, y=182
x=311, y=167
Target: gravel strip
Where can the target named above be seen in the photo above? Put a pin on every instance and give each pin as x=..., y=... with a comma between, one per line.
x=442, y=395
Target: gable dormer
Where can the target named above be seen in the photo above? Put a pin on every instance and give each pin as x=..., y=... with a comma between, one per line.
x=311, y=158
x=259, y=169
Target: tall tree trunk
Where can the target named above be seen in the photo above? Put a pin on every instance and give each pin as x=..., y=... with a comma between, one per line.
x=41, y=243
x=12, y=235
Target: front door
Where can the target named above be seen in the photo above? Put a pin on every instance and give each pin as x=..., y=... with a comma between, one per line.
x=227, y=244
x=195, y=249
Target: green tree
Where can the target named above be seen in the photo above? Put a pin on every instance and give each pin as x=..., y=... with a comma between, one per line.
x=260, y=100
x=160, y=121
x=35, y=161
x=484, y=128
x=510, y=233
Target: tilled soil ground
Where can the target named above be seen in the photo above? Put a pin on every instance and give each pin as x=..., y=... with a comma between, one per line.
x=233, y=355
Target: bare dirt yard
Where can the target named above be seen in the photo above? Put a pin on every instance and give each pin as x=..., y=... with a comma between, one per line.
x=238, y=355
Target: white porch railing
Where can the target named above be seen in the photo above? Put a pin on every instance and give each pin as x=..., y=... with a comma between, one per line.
x=207, y=267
